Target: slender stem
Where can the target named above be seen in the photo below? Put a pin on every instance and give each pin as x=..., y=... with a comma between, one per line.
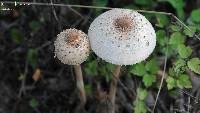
x=113, y=86
x=79, y=83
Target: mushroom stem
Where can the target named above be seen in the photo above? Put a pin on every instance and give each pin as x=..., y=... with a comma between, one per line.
x=113, y=86
x=79, y=83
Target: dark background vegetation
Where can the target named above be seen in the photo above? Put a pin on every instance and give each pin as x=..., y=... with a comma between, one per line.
x=33, y=81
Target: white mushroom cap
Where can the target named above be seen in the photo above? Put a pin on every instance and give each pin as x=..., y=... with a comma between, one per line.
x=72, y=46
x=122, y=37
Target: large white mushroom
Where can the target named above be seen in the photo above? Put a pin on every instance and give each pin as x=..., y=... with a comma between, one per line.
x=121, y=37
x=72, y=48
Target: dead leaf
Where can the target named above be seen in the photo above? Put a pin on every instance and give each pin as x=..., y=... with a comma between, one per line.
x=37, y=75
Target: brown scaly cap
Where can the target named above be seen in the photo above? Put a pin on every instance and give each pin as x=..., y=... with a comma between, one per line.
x=72, y=46
x=123, y=24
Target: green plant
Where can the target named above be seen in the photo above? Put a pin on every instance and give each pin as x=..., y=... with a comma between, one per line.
x=139, y=103
x=194, y=65
x=174, y=43
x=16, y=35
x=147, y=71
x=34, y=103
x=32, y=57
x=35, y=25
x=100, y=3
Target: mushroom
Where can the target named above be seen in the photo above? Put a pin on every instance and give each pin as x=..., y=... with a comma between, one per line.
x=121, y=37
x=72, y=48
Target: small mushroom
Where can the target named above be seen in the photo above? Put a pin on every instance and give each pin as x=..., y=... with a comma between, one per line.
x=121, y=37
x=72, y=48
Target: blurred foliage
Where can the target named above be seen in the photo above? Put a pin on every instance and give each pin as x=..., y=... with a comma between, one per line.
x=178, y=5
x=194, y=65
x=195, y=15
x=91, y=68
x=34, y=103
x=100, y=3
x=88, y=88
x=171, y=39
x=35, y=25
x=32, y=57
x=147, y=71
x=16, y=35
x=139, y=103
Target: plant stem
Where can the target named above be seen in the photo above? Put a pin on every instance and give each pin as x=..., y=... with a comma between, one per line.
x=113, y=86
x=80, y=84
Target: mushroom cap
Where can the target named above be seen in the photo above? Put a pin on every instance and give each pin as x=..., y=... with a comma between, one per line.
x=122, y=37
x=72, y=46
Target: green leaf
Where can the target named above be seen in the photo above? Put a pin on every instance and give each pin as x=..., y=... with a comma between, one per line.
x=100, y=3
x=188, y=32
x=184, y=81
x=149, y=16
x=109, y=66
x=176, y=38
x=144, y=2
x=138, y=69
x=180, y=66
x=91, y=68
x=197, y=26
x=161, y=37
x=31, y=57
x=16, y=35
x=140, y=107
x=180, y=13
x=174, y=93
x=178, y=5
x=131, y=6
x=184, y=51
x=88, y=88
x=194, y=65
x=171, y=72
x=171, y=82
x=34, y=103
x=139, y=104
x=195, y=15
x=34, y=25
x=141, y=93
x=104, y=71
x=180, y=63
x=163, y=20
x=175, y=28
x=148, y=80
x=152, y=66
x=170, y=50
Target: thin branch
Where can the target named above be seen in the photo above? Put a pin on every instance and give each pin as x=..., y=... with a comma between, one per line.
x=163, y=76
x=23, y=82
x=196, y=36
x=97, y=7
x=54, y=12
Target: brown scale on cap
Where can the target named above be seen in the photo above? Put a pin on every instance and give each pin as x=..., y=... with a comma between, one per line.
x=73, y=38
x=123, y=24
